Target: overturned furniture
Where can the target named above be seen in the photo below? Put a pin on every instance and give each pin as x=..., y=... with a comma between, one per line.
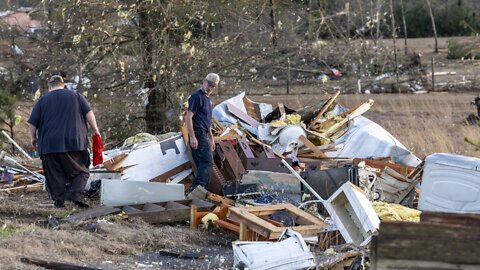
x=254, y=221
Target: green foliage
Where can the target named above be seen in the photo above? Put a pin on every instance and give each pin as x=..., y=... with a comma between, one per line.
x=6, y=230
x=451, y=19
x=469, y=141
x=463, y=49
x=7, y=108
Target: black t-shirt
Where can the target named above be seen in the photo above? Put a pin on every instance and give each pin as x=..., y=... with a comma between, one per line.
x=60, y=118
x=201, y=106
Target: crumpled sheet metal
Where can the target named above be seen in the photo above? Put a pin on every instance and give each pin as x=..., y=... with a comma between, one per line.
x=364, y=138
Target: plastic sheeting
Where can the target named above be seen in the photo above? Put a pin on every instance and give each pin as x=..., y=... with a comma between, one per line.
x=364, y=139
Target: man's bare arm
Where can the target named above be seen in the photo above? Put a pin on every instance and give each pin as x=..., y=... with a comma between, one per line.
x=92, y=122
x=33, y=135
x=191, y=134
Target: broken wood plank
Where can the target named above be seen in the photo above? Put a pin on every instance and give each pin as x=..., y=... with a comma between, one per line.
x=233, y=160
x=468, y=220
x=25, y=188
x=311, y=146
x=264, y=145
x=184, y=131
x=324, y=109
x=433, y=242
x=115, y=163
x=242, y=116
x=283, y=115
x=250, y=217
x=357, y=112
x=93, y=213
x=55, y=265
x=163, y=177
x=219, y=199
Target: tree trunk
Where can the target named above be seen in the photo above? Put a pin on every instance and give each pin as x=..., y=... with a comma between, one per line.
x=394, y=39
x=309, y=20
x=405, y=36
x=429, y=4
x=273, y=23
x=163, y=109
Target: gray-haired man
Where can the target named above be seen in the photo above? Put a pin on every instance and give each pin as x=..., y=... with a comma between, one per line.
x=199, y=120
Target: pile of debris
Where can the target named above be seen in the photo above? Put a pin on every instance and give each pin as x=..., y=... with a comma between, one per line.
x=322, y=186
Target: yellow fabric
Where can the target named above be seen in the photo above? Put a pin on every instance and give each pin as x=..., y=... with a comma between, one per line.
x=209, y=218
x=139, y=138
x=278, y=123
x=396, y=212
x=294, y=119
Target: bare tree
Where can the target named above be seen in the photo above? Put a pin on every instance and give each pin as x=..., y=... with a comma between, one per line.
x=394, y=39
x=273, y=23
x=405, y=35
x=430, y=12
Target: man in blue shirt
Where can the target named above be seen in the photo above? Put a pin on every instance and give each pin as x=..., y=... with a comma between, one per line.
x=58, y=127
x=199, y=120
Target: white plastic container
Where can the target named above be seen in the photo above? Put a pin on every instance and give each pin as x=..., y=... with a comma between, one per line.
x=450, y=183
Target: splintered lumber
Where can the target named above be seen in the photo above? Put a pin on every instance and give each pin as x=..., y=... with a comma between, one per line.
x=163, y=177
x=25, y=188
x=115, y=163
x=357, y=112
x=184, y=131
x=264, y=145
x=311, y=146
x=55, y=265
x=241, y=115
x=425, y=245
x=251, y=219
x=218, y=124
x=283, y=115
x=324, y=109
x=416, y=175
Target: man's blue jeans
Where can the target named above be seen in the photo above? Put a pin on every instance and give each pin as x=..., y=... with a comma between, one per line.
x=203, y=158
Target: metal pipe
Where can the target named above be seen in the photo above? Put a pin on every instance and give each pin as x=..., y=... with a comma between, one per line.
x=302, y=180
x=16, y=145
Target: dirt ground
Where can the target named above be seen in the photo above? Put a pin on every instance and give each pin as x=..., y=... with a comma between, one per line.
x=108, y=243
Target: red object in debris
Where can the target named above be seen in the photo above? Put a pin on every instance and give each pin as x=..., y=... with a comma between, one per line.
x=97, y=148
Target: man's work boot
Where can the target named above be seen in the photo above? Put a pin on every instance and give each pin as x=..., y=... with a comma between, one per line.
x=59, y=204
x=81, y=204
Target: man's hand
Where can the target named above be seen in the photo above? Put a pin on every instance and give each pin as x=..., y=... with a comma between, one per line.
x=212, y=143
x=96, y=131
x=193, y=142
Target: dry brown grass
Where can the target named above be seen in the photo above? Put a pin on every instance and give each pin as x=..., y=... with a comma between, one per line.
x=24, y=233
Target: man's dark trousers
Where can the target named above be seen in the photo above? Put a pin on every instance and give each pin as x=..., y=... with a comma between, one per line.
x=67, y=168
x=202, y=156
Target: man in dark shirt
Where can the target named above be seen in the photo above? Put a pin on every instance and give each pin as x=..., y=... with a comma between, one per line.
x=58, y=127
x=198, y=120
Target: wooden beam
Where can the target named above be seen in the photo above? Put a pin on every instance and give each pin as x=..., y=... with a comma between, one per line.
x=163, y=177
x=311, y=146
x=357, y=112
x=324, y=109
x=424, y=241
